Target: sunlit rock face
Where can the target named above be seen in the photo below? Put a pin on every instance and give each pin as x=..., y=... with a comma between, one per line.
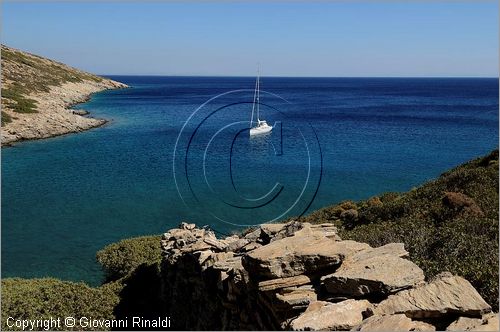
x=301, y=276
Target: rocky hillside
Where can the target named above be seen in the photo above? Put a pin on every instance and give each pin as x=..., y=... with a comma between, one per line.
x=37, y=94
x=303, y=277
x=449, y=224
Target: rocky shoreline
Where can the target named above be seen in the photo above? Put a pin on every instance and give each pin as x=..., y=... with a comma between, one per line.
x=304, y=277
x=56, y=116
x=38, y=95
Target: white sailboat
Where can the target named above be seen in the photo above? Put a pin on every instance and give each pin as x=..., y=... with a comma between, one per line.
x=261, y=126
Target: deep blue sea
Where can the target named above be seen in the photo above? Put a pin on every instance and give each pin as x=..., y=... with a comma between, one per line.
x=172, y=152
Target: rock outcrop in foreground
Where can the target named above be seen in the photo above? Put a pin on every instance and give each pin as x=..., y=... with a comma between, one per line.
x=301, y=276
x=37, y=94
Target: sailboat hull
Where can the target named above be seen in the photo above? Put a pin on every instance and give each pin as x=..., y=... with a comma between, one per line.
x=260, y=130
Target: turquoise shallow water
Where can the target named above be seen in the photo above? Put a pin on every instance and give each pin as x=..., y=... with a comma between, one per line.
x=65, y=198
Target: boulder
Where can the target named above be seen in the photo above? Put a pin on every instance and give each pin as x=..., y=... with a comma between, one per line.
x=187, y=226
x=488, y=322
x=203, y=256
x=218, y=244
x=178, y=234
x=322, y=316
x=398, y=322
x=446, y=294
x=251, y=246
x=272, y=232
x=374, y=270
x=236, y=245
x=464, y=324
x=230, y=263
x=271, y=229
x=192, y=247
x=223, y=260
x=253, y=236
x=289, y=229
x=305, y=252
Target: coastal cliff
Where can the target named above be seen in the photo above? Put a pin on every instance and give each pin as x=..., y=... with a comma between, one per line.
x=304, y=277
x=38, y=93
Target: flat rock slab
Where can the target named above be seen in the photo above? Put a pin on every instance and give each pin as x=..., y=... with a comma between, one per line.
x=393, y=249
x=374, y=270
x=305, y=252
x=397, y=322
x=447, y=294
x=273, y=284
x=295, y=297
x=329, y=230
x=326, y=316
x=271, y=229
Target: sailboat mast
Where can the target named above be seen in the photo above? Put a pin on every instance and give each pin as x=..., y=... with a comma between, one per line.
x=258, y=94
x=254, y=99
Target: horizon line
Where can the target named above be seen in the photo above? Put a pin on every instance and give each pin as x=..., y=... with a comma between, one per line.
x=280, y=76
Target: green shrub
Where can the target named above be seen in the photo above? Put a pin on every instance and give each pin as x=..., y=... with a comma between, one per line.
x=133, y=288
x=6, y=118
x=348, y=205
x=389, y=197
x=374, y=201
x=121, y=258
x=134, y=265
x=17, y=101
x=45, y=298
x=328, y=214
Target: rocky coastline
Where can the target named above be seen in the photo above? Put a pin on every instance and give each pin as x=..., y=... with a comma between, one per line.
x=55, y=114
x=38, y=95
x=304, y=277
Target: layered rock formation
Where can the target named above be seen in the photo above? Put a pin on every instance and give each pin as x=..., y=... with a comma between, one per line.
x=37, y=94
x=304, y=277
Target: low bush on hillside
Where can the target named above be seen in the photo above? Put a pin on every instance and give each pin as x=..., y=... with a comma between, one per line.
x=46, y=298
x=39, y=74
x=450, y=224
x=132, y=267
x=121, y=258
x=132, y=289
x=6, y=118
x=17, y=101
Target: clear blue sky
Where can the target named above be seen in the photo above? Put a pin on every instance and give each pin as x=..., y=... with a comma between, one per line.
x=288, y=39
